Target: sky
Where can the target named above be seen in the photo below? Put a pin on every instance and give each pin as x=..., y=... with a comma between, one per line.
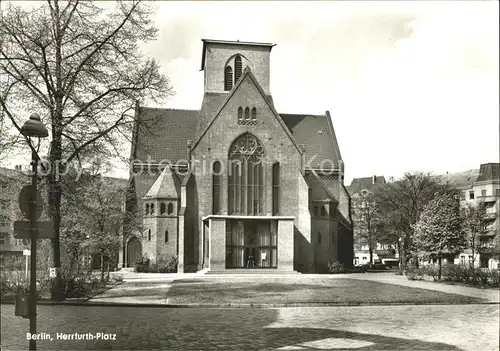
x=409, y=85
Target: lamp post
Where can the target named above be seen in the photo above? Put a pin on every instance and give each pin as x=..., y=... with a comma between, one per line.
x=33, y=128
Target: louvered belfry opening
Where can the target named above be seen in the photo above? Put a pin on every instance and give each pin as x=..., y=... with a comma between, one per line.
x=246, y=183
x=237, y=68
x=228, y=78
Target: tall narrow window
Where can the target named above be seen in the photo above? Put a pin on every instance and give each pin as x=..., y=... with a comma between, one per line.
x=216, y=183
x=254, y=113
x=245, y=171
x=170, y=209
x=147, y=209
x=247, y=113
x=166, y=236
x=237, y=68
x=276, y=188
x=149, y=234
x=323, y=211
x=240, y=113
x=152, y=208
x=163, y=208
x=228, y=78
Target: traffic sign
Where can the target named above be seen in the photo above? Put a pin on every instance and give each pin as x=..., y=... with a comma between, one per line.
x=22, y=230
x=27, y=252
x=26, y=199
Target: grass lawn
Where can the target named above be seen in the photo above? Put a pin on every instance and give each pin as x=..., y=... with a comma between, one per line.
x=280, y=291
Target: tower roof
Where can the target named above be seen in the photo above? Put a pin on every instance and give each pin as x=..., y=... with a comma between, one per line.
x=163, y=187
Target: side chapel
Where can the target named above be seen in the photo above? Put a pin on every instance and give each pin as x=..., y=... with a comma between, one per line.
x=237, y=185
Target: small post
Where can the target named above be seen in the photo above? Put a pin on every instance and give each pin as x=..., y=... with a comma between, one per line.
x=33, y=225
x=26, y=272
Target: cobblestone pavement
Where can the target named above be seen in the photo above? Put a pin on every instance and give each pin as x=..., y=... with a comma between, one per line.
x=438, y=327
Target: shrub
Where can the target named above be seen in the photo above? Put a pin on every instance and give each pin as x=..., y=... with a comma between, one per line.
x=142, y=265
x=414, y=274
x=494, y=280
x=431, y=271
x=167, y=264
x=335, y=267
x=80, y=283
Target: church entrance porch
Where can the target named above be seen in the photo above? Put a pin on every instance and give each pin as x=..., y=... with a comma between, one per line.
x=248, y=242
x=251, y=244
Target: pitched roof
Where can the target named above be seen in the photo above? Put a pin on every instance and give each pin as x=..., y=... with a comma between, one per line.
x=461, y=179
x=164, y=134
x=317, y=134
x=367, y=183
x=163, y=187
x=489, y=171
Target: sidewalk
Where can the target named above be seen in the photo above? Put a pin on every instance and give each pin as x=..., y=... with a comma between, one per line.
x=491, y=295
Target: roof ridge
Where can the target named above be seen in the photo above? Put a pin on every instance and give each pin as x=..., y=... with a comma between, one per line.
x=301, y=114
x=168, y=108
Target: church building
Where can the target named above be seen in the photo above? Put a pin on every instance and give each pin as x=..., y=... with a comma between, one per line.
x=237, y=185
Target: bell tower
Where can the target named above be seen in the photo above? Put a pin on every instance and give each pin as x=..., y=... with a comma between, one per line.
x=224, y=61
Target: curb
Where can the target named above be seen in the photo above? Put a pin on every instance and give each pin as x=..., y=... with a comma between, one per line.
x=68, y=301
x=251, y=305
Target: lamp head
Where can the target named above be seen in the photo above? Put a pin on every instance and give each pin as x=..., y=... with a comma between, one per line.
x=34, y=127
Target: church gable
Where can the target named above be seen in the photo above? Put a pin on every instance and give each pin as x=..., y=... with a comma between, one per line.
x=248, y=109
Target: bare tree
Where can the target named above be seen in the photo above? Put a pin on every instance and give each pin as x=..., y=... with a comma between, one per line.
x=81, y=68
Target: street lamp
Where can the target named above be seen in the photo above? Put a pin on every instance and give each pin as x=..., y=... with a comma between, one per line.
x=33, y=128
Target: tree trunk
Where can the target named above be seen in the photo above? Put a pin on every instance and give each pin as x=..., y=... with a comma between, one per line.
x=107, y=278
x=54, y=186
x=370, y=249
x=102, y=267
x=440, y=267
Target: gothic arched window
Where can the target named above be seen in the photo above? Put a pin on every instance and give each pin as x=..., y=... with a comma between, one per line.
x=166, y=236
x=152, y=208
x=163, y=208
x=147, y=209
x=254, y=113
x=170, y=209
x=246, y=183
x=228, y=78
x=240, y=113
x=237, y=68
x=247, y=113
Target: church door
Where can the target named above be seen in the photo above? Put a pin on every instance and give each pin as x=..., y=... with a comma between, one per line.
x=134, y=251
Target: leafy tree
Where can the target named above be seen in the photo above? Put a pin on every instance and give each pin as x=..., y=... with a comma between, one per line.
x=81, y=68
x=439, y=231
x=401, y=204
x=474, y=225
